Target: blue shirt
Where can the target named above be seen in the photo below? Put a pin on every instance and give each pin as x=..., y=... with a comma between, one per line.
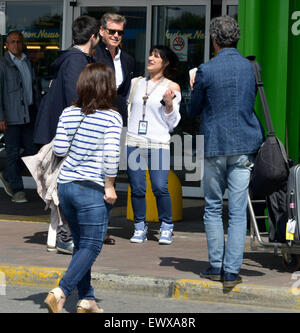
x=26, y=76
x=224, y=96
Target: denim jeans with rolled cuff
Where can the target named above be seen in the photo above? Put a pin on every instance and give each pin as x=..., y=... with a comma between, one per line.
x=157, y=161
x=85, y=210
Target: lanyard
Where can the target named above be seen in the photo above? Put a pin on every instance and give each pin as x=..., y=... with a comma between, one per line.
x=146, y=97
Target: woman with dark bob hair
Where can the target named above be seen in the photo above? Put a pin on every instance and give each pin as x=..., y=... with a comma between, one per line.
x=88, y=133
x=153, y=113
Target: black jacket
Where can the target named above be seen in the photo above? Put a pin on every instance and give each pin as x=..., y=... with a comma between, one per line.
x=128, y=66
x=62, y=93
x=12, y=107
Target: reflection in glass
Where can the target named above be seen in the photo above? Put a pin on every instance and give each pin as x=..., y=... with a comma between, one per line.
x=41, y=26
x=232, y=11
x=182, y=28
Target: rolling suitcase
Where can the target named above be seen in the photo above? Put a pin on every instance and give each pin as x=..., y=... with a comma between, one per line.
x=293, y=205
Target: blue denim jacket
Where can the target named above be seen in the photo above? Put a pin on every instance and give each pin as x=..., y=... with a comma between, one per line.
x=224, y=95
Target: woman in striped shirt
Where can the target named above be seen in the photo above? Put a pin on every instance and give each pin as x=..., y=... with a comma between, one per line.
x=89, y=134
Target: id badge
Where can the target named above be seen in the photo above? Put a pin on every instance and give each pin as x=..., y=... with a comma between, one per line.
x=143, y=125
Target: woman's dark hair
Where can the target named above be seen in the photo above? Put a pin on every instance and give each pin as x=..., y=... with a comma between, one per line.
x=83, y=28
x=169, y=58
x=96, y=88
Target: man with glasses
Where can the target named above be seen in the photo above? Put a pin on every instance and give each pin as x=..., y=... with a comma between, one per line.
x=108, y=52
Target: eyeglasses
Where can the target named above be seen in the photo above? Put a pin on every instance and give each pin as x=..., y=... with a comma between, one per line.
x=113, y=31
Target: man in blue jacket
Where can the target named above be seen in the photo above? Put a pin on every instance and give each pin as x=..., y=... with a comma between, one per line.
x=223, y=95
x=62, y=93
x=19, y=101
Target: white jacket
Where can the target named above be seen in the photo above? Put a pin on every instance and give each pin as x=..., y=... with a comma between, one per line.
x=44, y=168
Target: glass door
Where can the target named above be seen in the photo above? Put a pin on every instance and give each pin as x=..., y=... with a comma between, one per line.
x=183, y=27
x=134, y=39
x=230, y=7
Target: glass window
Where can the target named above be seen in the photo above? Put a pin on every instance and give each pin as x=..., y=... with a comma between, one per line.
x=182, y=28
x=41, y=25
x=232, y=10
x=134, y=39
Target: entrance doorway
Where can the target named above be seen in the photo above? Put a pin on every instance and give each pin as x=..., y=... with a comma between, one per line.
x=184, y=28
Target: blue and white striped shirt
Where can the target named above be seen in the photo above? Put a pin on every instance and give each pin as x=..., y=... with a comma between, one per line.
x=95, y=150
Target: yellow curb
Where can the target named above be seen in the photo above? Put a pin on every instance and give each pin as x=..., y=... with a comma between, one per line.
x=250, y=294
x=22, y=218
x=32, y=276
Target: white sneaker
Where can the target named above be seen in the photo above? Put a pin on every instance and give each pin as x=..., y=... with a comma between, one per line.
x=139, y=236
x=166, y=237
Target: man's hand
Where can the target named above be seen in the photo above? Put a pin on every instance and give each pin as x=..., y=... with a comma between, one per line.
x=3, y=126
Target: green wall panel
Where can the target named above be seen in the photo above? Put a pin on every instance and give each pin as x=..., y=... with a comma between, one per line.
x=266, y=27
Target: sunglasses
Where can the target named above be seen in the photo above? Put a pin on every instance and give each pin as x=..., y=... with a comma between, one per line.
x=113, y=31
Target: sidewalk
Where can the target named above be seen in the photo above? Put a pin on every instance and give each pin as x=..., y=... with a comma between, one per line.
x=149, y=268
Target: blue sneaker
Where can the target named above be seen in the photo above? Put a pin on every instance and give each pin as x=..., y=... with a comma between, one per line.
x=140, y=236
x=231, y=280
x=166, y=237
x=65, y=247
x=212, y=273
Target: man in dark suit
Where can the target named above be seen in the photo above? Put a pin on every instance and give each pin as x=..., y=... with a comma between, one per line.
x=108, y=52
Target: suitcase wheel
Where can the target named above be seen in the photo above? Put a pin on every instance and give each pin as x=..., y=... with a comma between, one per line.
x=291, y=262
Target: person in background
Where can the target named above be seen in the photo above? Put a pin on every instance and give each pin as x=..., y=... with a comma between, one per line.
x=108, y=52
x=62, y=93
x=19, y=100
x=89, y=134
x=154, y=114
x=224, y=94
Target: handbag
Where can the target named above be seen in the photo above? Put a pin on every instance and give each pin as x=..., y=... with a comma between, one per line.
x=271, y=167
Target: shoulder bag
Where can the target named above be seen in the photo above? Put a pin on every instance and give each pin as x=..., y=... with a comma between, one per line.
x=271, y=167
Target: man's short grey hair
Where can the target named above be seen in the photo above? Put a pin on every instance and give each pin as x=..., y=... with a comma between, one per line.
x=113, y=17
x=225, y=31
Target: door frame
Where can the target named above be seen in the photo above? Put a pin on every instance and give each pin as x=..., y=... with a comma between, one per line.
x=71, y=13
x=226, y=3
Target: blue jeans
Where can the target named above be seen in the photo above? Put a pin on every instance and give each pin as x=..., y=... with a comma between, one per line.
x=158, y=162
x=221, y=172
x=87, y=214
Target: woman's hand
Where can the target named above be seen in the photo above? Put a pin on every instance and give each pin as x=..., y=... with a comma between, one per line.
x=110, y=195
x=168, y=96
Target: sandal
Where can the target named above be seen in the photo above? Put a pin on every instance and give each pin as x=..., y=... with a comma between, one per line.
x=53, y=298
x=84, y=306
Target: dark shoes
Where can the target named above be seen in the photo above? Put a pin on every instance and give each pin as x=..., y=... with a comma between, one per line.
x=229, y=280
x=211, y=273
